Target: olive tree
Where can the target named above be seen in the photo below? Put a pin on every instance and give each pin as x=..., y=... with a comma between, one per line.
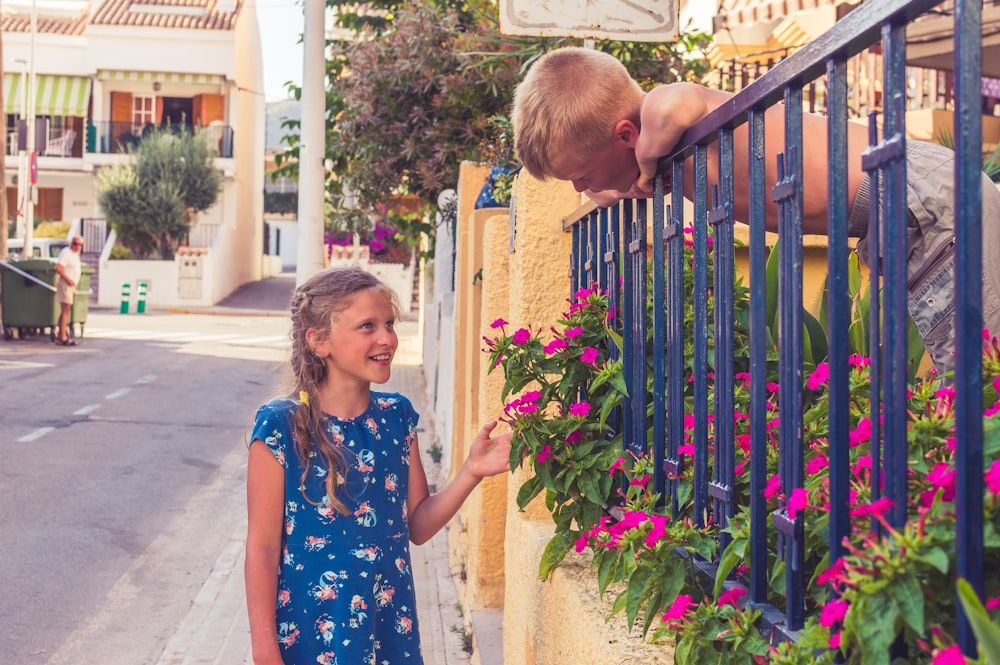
x=152, y=199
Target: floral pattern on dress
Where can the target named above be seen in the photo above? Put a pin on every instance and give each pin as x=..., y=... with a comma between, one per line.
x=345, y=588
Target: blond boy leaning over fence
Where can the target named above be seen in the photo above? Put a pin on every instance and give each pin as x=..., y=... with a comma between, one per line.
x=579, y=116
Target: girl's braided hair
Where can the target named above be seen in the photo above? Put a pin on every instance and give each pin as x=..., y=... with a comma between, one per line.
x=317, y=304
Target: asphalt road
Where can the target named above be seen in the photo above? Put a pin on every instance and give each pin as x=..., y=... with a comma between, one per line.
x=122, y=466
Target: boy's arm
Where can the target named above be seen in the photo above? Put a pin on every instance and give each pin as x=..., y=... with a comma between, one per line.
x=667, y=112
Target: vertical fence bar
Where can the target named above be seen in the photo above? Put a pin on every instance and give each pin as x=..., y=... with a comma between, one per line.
x=700, y=334
x=721, y=219
x=894, y=284
x=612, y=269
x=839, y=308
x=758, y=362
x=591, y=259
x=603, y=239
x=659, y=338
x=574, y=258
x=869, y=162
x=675, y=332
x=789, y=193
x=636, y=293
x=969, y=315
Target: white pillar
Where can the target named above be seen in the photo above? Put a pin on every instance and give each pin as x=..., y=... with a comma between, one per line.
x=32, y=190
x=313, y=149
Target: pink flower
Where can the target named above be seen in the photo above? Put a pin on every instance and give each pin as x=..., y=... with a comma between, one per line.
x=773, y=486
x=992, y=477
x=817, y=464
x=531, y=396
x=555, y=345
x=992, y=603
x=589, y=355
x=581, y=409
x=679, y=608
x=574, y=436
x=799, y=500
x=521, y=336
x=544, y=453
x=743, y=376
x=499, y=323
x=640, y=482
x=819, y=377
x=686, y=449
x=731, y=597
x=659, y=528
x=582, y=294
x=942, y=476
x=571, y=333
x=863, y=432
x=859, y=361
x=617, y=465
x=772, y=387
x=581, y=543
x=880, y=507
x=834, y=642
x=832, y=573
x=950, y=656
x=527, y=407
x=834, y=612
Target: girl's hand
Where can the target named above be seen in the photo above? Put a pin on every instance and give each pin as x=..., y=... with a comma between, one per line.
x=489, y=456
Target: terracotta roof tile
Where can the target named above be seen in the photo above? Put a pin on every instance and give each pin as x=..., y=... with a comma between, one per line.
x=130, y=13
x=46, y=24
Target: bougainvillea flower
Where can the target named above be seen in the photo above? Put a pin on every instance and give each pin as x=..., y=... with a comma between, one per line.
x=731, y=597
x=499, y=323
x=558, y=344
x=581, y=409
x=834, y=612
x=950, y=656
x=819, y=377
x=573, y=332
x=521, y=336
x=544, y=453
x=589, y=355
x=678, y=608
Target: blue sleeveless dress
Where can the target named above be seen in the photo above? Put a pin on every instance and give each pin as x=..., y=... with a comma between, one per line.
x=345, y=588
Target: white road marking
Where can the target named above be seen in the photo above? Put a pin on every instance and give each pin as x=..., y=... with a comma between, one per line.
x=90, y=408
x=37, y=434
x=118, y=393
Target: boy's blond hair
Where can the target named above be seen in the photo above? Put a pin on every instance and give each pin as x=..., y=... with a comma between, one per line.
x=570, y=101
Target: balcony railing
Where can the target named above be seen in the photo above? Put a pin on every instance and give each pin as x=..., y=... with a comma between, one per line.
x=118, y=137
x=610, y=249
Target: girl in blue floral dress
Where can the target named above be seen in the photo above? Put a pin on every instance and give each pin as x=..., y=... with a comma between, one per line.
x=336, y=490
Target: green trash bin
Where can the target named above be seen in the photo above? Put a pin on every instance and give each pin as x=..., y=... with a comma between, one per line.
x=30, y=306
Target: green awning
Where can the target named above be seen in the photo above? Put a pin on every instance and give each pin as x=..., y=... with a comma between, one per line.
x=162, y=77
x=55, y=95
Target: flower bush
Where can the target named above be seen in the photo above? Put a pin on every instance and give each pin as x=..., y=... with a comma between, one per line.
x=562, y=390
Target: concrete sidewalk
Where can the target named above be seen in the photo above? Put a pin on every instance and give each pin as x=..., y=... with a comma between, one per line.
x=215, y=629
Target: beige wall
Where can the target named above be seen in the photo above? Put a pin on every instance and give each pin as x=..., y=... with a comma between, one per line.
x=496, y=549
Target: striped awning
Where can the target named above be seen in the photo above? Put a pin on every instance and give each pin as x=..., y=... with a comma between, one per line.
x=55, y=95
x=162, y=77
x=740, y=13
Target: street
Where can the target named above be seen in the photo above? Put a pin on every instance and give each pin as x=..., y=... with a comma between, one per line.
x=122, y=477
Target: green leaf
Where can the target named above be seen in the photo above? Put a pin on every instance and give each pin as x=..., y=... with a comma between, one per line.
x=607, y=571
x=909, y=598
x=771, y=289
x=639, y=590
x=987, y=632
x=529, y=490
x=871, y=622
x=729, y=561
x=553, y=555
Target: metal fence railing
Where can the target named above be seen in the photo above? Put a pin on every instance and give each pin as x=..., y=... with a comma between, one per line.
x=609, y=247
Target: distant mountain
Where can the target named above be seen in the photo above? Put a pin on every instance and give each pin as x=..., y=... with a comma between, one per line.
x=275, y=113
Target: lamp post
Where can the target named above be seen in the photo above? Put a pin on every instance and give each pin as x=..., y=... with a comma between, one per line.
x=29, y=200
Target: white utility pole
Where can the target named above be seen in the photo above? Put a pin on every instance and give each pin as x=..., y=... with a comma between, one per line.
x=313, y=145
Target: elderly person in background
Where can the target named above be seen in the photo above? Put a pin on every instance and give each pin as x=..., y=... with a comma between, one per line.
x=69, y=267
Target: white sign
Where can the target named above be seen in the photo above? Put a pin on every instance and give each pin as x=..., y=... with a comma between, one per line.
x=629, y=20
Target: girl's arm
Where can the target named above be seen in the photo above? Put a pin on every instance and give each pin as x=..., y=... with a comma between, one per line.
x=429, y=512
x=266, y=517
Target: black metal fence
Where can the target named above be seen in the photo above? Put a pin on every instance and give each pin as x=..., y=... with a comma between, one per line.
x=610, y=249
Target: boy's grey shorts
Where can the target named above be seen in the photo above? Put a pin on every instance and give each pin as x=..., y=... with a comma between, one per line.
x=930, y=186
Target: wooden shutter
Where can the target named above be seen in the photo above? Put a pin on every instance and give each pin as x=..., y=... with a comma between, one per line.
x=50, y=205
x=121, y=107
x=208, y=108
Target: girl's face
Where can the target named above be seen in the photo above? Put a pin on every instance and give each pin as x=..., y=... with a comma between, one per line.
x=361, y=342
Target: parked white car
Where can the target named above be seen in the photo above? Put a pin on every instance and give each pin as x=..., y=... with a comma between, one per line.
x=41, y=247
